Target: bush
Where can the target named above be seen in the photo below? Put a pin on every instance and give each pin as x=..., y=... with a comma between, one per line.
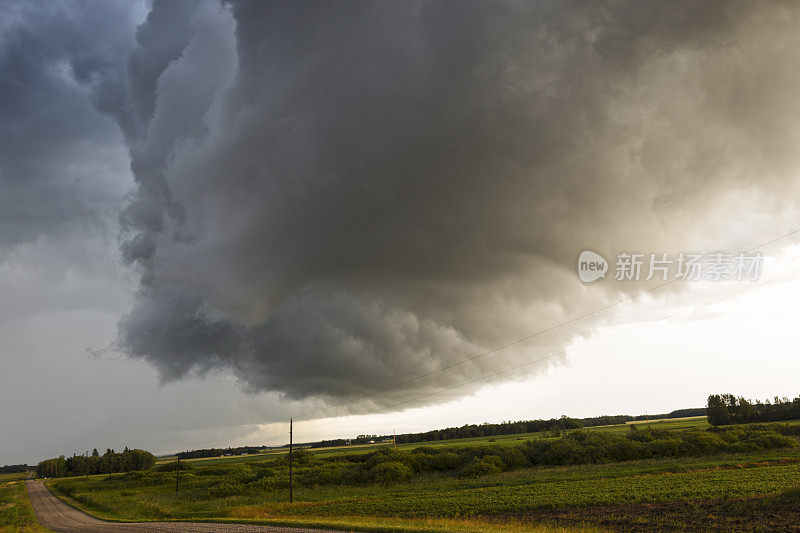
x=770, y=441
x=391, y=472
x=212, y=470
x=626, y=450
x=328, y=474
x=445, y=461
x=489, y=464
x=222, y=490
x=172, y=466
x=427, y=450
x=512, y=457
x=240, y=473
x=300, y=457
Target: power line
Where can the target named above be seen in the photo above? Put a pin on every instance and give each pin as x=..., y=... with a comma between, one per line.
x=522, y=339
x=563, y=352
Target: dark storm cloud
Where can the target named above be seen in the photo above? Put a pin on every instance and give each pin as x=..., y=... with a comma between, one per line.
x=60, y=63
x=335, y=196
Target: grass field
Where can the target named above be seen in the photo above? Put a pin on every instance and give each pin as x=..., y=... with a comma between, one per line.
x=667, y=424
x=503, y=501
x=16, y=513
x=690, y=422
x=4, y=478
x=706, y=491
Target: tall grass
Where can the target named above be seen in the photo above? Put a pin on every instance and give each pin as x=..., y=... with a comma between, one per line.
x=16, y=513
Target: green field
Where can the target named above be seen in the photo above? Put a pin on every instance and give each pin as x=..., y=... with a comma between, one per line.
x=719, y=479
x=690, y=422
x=441, y=501
x=16, y=513
x=4, y=478
x=667, y=424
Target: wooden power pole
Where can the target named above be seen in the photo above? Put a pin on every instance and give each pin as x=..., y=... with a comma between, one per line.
x=291, y=495
x=177, y=474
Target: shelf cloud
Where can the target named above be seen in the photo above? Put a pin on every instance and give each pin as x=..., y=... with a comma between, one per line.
x=333, y=197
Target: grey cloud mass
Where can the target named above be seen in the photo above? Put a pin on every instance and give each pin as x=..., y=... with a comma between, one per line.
x=60, y=63
x=336, y=196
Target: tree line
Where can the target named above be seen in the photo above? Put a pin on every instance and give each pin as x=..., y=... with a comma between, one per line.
x=85, y=465
x=219, y=452
x=14, y=469
x=729, y=409
x=510, y=428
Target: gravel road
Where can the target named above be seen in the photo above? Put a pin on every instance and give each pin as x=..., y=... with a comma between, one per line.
x=56, y=515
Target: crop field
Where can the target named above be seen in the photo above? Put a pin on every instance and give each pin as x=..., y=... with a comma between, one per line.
x=16, y=513
x=692, y=422
x=678, y=478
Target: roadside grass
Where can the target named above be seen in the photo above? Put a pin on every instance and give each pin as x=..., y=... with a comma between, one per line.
x=16, y=513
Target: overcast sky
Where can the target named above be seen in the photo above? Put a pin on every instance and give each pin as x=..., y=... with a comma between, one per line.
x=215, y=216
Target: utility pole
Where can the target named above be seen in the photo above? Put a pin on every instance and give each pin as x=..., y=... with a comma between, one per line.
x=291, y=495
x=394, y=439
x=177, y=474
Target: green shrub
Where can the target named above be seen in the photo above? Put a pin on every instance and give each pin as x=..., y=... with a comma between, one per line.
x=446, y=461
x=489, y=464
x=300, y=457
x=224, y=489
x=329, y=474
x=213, y=470
x=427, y=450
x=512, y=457
x=391, y=472
x=172, y=466
x=626, y=450
x=770, y=441
x=240, y=473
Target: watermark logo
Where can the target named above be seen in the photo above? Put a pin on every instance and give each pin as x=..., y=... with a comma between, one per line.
x=591, y=266
x=686, y=266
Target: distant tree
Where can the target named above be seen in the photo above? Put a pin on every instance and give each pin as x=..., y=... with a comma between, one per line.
x=14, y=469
x=717, y=411
x=109, y=463
x=728, y=409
